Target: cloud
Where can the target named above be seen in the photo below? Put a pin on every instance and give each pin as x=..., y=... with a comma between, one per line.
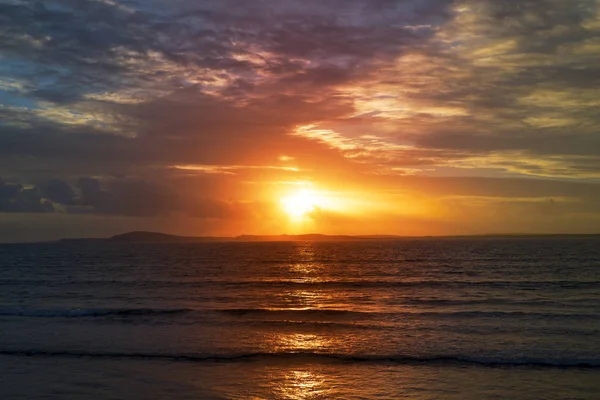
x=116, y=197
x=57, y=191
x=124, y=92
x=499, y=82
x=198, y=72
x=15, y=198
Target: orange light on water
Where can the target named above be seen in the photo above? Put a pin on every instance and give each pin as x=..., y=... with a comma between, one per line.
x=304, y=385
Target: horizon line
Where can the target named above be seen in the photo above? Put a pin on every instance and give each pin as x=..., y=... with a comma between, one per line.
x=129, y=237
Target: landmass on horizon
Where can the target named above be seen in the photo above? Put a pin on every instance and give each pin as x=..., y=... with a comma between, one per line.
x=159, y=237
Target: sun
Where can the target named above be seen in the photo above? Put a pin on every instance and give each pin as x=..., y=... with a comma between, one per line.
x=300, y=203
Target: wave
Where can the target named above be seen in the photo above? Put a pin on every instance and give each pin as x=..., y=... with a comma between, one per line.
x=301, y=314
x=102, y=312
x=349, y=313
x=315, y=357
x=512, y=329
x=273, y=311
x=348, y=283
x=91, y=312
x=562, y=303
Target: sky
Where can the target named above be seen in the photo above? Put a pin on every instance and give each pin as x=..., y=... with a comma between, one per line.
x=229, y=117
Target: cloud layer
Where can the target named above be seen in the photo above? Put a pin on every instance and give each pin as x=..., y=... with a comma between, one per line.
x=148, y=108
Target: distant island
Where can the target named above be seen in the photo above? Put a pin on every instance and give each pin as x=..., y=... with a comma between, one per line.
x=157, y=237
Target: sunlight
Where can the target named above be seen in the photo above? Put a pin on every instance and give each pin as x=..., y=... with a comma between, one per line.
x=300, y=203
x=307, y=383
x=307, y=206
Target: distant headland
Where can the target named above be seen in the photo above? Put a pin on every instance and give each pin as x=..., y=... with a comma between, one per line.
x=157, y=237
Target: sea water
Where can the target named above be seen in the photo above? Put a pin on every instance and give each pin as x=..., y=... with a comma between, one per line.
x=514, y=318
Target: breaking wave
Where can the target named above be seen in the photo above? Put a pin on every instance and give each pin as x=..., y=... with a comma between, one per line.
x=313, y=357
x=91, y=312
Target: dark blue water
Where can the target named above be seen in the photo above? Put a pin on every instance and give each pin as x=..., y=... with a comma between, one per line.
x=417, y=319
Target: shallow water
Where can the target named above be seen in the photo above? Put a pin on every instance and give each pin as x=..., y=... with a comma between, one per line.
x=416, y=319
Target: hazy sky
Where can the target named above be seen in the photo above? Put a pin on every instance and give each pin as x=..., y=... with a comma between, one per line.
x=223, y=117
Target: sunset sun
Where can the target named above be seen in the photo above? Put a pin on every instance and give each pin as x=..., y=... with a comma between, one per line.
x=300, y=203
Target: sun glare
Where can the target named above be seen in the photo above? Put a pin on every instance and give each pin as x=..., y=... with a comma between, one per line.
x=300, y=203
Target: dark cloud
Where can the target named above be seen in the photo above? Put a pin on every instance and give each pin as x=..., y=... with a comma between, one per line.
x=116, y=197
x=494, y=187
x=57, y=191
x=15, y=198
x=79, y=47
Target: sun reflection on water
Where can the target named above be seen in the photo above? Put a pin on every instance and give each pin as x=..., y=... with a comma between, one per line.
x=307, y=264
x=307, y=340
x=303, y=384
x=307, y=270
x=302, y=343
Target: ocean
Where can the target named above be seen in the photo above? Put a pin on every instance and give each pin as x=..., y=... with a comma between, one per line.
x=511, y=318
